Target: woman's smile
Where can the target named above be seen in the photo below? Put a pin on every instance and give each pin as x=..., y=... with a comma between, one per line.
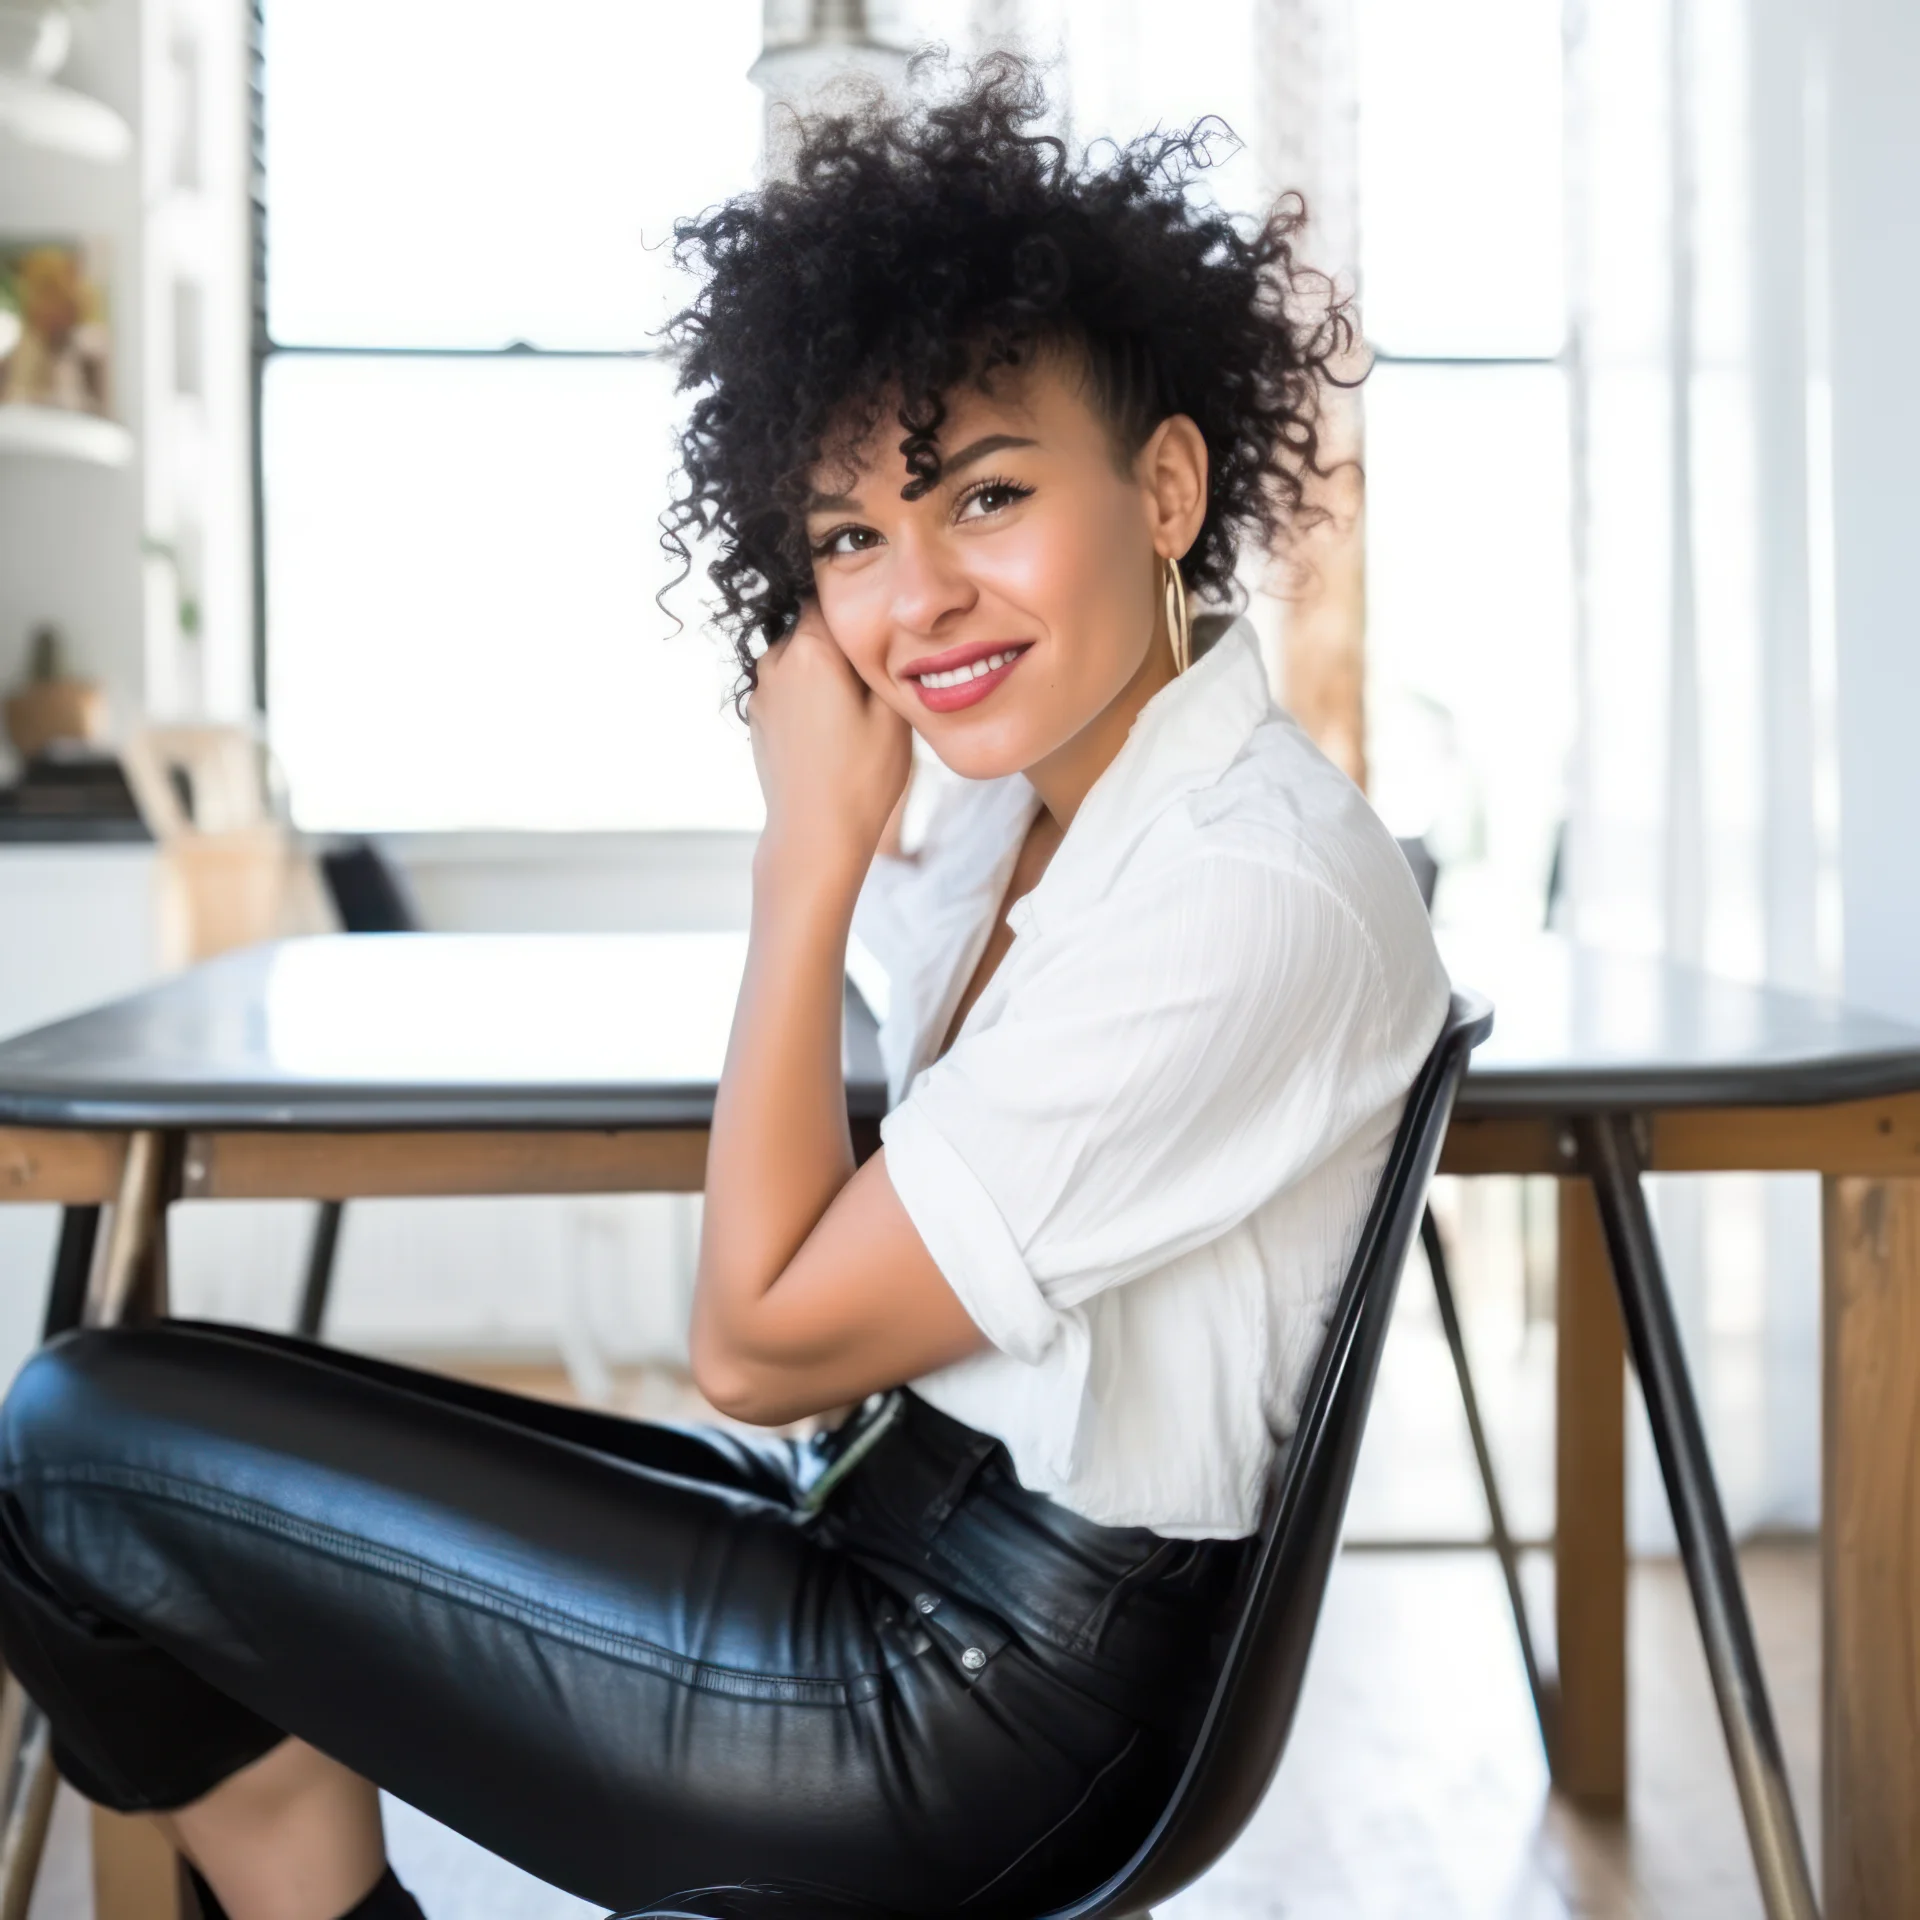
x=963, y=676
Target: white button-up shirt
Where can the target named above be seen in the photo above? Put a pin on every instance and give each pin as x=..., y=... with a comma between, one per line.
x=1144, y=1162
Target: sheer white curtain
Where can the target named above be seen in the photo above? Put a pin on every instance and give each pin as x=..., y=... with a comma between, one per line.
x=1700, y=810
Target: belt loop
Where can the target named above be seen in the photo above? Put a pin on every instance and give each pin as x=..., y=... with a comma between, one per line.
x=859, y=1435
x=975, y=1455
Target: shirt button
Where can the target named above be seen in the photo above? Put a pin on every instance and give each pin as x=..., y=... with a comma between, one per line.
x=973, y=1659
x=926, y=1602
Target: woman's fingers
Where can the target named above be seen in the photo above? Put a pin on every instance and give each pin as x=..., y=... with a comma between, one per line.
x=832, y=756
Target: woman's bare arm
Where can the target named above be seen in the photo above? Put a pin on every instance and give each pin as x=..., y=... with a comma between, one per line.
x=814, y=1287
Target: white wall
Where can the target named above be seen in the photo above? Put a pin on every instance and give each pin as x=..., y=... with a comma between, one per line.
x=1874, y=352
x=577, y=882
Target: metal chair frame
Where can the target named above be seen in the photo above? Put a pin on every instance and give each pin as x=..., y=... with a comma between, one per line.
x=1250, y=1713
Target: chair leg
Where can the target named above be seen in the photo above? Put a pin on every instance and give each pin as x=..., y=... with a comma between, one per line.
x=1610, y=1160
x=72, y=1262
x=320, y=1256
x=1489, y=1484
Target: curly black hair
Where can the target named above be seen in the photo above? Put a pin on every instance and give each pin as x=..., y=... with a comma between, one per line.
x=916, y=247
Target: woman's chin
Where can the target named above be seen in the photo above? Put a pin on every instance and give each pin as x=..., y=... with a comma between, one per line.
x=979, y=753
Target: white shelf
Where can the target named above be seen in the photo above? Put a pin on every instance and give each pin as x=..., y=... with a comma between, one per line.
x=40, y=114
x=63, y=434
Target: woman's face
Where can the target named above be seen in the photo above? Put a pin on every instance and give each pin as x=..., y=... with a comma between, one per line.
x=1018, y=600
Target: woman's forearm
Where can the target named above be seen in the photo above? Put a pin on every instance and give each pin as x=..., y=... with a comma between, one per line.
x=780, y=1149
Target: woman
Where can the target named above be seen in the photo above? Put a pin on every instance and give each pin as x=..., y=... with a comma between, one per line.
x=971, y=421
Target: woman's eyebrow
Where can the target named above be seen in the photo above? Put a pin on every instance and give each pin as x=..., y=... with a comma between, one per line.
x=979, y=449
x=975, y=450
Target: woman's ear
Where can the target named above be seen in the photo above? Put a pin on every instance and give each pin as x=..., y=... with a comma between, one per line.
x=1172, y=468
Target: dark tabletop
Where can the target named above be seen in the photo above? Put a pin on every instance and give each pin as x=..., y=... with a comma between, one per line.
x=1577, y=1030
x=629, y=1030
x=413, y=1030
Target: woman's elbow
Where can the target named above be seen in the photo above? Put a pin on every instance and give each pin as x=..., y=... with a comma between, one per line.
x=733, y=1385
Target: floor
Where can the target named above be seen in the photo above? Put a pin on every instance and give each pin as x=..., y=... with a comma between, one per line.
x=1413, y=1786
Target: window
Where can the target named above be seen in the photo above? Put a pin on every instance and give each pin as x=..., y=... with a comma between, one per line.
x=1469, y=550
x=465, y=438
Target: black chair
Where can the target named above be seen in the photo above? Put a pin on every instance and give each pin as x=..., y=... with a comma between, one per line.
x=1247, y=1721
x=370, y=896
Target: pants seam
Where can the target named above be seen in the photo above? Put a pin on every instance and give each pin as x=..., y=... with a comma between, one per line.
x=1040, y=1840
x=459, y=1590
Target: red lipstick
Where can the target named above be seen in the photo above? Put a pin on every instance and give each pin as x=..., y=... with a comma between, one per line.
x=963, y=676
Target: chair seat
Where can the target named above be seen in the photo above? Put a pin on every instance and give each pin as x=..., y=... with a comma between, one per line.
x=759, y=1902
x=767, y=1903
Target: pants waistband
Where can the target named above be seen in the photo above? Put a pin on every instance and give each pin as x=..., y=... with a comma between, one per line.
x=925, y=1501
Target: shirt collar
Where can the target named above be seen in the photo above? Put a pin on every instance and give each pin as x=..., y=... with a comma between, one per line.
x=1183, y=739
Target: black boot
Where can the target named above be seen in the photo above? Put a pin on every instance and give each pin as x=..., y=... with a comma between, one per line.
x=210, y=1908
x=388, y=1900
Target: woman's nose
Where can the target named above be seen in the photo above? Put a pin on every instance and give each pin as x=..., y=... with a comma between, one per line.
x=928, y=585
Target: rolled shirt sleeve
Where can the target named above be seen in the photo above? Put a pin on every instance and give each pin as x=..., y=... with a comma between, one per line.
x=1195, y=1046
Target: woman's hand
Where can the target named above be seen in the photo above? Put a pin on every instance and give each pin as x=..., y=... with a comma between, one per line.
x=832, y=757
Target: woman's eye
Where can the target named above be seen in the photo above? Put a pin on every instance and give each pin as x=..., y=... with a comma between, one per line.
x=993, y=496
x=847, y=540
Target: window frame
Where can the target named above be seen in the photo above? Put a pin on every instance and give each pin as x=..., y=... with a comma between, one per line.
x=264, y=349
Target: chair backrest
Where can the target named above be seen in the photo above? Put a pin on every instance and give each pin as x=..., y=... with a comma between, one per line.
x=369, y=892
x=1426, y=869
x=1247, y=1721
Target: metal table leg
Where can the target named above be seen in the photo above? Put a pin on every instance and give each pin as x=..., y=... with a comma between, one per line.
x=1611, y=1161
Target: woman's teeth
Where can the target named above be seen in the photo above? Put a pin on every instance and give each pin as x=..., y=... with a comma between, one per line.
x=959, y=676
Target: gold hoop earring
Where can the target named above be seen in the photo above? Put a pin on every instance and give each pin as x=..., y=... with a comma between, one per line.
x=1179, y=620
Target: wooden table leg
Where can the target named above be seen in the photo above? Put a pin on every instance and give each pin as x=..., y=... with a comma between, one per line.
x=136, y=1874
x=1870, y=1541
x=131, y=1272
x=136, y=1236
x=26, y=1746
x=1590, y=1527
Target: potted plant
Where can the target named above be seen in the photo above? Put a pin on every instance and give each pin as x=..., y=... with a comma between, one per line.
x=53, y=704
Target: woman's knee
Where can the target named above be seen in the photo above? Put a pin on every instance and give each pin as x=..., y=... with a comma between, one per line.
x=92, y=1396
x=50, y=1402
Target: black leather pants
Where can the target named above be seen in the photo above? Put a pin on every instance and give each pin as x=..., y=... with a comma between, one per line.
x=632, y=1658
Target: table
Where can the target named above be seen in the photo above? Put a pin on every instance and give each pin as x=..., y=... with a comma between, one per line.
x=436, y=1064
x=1601, y=1066
x=346, y=1068
x=406, y=1064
